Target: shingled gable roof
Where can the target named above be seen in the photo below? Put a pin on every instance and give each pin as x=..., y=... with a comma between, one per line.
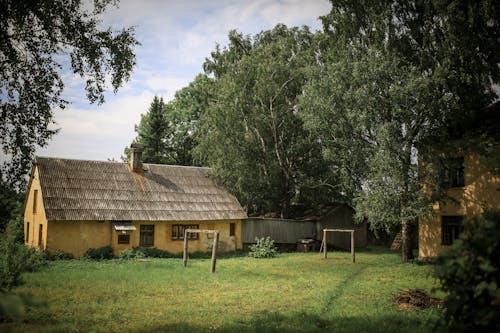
x=77, y=190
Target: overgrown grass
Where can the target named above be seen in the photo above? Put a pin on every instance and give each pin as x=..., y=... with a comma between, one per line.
x=296, y=292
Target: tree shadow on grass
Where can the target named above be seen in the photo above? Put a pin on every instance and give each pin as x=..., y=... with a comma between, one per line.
x=305, y=322
x=264, y=321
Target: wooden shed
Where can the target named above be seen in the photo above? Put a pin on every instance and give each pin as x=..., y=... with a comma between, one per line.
x=341, y=216
x=74, y=205
x=285, y=232
x=288, y=233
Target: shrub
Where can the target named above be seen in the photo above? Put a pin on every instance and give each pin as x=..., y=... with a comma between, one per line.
x=59, y=255
x=153, y=252
x=130, y=254
x=15, y=259
x=101, y=253
x=263, y=248
x=145, y=252
x=470, y=274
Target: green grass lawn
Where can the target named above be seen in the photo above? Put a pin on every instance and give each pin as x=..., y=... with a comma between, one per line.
x=296, y=292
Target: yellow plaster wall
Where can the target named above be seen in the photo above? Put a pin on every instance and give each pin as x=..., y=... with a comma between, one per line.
x=35, y=219
x=163, y=236
x=481, y=191
x=76, y=237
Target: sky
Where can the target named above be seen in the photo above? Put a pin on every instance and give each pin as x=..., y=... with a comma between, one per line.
x=176, y=37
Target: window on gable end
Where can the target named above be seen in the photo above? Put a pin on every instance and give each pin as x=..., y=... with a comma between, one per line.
x=451, y=226
x=453, y=173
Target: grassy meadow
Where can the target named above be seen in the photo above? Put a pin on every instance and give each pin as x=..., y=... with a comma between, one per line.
x=296, y=292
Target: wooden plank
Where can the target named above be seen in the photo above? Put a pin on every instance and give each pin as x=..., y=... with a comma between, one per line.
x=214, y=252
x=352, y=247
x=324, y=243
x=201, y=231
x=339, y=230
x=281, y=231
x=185, y=250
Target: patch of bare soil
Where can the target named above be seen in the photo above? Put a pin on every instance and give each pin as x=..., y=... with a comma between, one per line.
x=416, y=299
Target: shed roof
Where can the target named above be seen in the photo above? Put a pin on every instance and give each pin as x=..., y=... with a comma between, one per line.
x=78, y=190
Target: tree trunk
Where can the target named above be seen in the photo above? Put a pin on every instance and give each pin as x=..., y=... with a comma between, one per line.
x=285, y=209
x=406, y=247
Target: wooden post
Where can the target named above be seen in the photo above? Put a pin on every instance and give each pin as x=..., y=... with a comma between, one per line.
x=352, y=247
x=214, y=247
x=214, y=251
x=324, y=243
x=185, y=253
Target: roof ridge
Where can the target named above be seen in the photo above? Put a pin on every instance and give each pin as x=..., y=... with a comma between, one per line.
x=76, y=159
x=117, y=162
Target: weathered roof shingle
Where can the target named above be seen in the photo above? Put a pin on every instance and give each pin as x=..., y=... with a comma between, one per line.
x=93, y=190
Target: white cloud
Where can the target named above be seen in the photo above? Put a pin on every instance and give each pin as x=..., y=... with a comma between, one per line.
x=295, y=12
x=168, y=85
x=98, y=134
x=176, y=36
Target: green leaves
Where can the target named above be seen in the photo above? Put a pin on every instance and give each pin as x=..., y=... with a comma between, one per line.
x=169, y=132
x=394, y=77
x=36, y=37
x=251, y=133
x=469, y=274
x=263, y=248
x=151, y=132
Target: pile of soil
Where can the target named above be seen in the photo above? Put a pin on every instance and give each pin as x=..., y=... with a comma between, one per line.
x=416, y=299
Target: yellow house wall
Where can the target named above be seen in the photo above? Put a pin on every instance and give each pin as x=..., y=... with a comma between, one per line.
x=76, y=237
x=481, y=191
x=163, y=236
x=31, y=234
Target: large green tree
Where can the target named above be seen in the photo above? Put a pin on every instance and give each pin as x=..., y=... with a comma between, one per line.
x=251, y=133
x=151, y=132
x=182, y=115
x=169, y=132
x=371, y=110
x=38, y=40
x=392, y=74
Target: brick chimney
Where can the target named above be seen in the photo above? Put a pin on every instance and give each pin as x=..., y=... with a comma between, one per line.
x=136, y=157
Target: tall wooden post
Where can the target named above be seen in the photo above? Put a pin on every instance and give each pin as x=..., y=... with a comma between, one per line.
x=214, y=251
x=185, y=253
x=324, y=243
x=352, y=247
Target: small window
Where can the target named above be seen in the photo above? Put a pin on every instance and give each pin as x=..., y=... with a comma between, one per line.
x=453, y=173
x=232, y=229
x=451, y=226
x=40, y=235
x=35, y=199
x=123, y=239
x=27, y=235
x=178, y=231
x=147, y=235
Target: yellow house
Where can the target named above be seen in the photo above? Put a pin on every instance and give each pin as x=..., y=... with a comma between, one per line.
x=471, y=185
x=74, y=205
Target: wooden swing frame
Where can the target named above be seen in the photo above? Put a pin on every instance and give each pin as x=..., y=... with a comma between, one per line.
x=214, y=247
x=324, y=245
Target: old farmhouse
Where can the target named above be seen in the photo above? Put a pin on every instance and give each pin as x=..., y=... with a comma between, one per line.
x=74, y=205
x=471, y=186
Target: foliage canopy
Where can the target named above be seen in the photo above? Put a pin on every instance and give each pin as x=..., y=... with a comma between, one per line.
x=469, y=274
x=393, y=74
x=251, y=133
x=36, y=40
